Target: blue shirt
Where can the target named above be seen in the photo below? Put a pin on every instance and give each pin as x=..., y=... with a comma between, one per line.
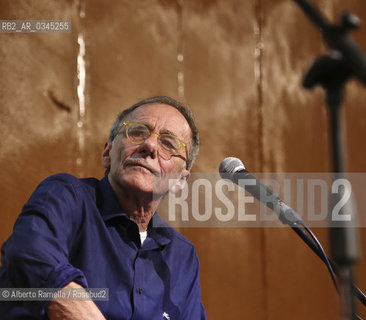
x=75, y=230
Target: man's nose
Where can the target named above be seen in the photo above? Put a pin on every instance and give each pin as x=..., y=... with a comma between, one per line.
x=150, y=145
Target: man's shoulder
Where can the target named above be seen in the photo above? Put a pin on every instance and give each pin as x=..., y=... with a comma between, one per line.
x=62, y=195
x=66, y=179
x=175, y=236
x=63, y=187
x=182, y=251
x=181, y=241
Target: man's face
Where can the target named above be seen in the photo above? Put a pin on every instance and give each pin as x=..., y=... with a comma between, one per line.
x=139, y=167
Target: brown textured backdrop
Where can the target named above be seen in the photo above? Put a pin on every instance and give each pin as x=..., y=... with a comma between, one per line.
x=237, y=64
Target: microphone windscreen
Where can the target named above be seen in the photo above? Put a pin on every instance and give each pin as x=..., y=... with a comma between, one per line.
x=231, y=165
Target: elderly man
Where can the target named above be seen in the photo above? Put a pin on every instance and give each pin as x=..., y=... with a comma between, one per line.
x=86, y=233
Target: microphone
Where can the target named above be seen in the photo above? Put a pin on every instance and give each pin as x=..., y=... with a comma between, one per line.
x=233, y=169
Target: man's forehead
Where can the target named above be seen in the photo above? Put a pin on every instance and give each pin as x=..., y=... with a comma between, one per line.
x=169, y=118
x=157, y=111
x=152, y=107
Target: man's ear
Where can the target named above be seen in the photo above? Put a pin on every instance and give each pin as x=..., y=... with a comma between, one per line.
x=106, y=157
x=181, y=182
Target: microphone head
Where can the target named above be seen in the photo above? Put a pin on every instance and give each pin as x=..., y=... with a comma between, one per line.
x=230, y=166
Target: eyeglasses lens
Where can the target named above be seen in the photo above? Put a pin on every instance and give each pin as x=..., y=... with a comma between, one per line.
x=168, y=144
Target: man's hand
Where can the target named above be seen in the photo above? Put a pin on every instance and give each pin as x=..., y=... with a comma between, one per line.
x=73, y=309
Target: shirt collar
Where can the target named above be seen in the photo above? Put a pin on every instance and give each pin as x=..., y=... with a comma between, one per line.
x=159, y=230
x=109, y=205
x=110, y=208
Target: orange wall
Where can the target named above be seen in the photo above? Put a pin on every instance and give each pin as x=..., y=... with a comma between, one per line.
x=243, y=62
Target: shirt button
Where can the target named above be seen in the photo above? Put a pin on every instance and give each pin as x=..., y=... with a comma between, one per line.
x=140, y=290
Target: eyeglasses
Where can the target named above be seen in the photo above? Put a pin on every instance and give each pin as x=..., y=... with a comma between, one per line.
x=168, y=144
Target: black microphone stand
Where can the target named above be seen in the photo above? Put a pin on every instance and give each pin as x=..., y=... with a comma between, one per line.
x=332, y=72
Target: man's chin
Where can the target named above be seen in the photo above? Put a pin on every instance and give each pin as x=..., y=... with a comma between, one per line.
x=142, y=181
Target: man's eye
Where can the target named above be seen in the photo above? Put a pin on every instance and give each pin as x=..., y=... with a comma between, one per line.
x=169, y=143
x=138, y=132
